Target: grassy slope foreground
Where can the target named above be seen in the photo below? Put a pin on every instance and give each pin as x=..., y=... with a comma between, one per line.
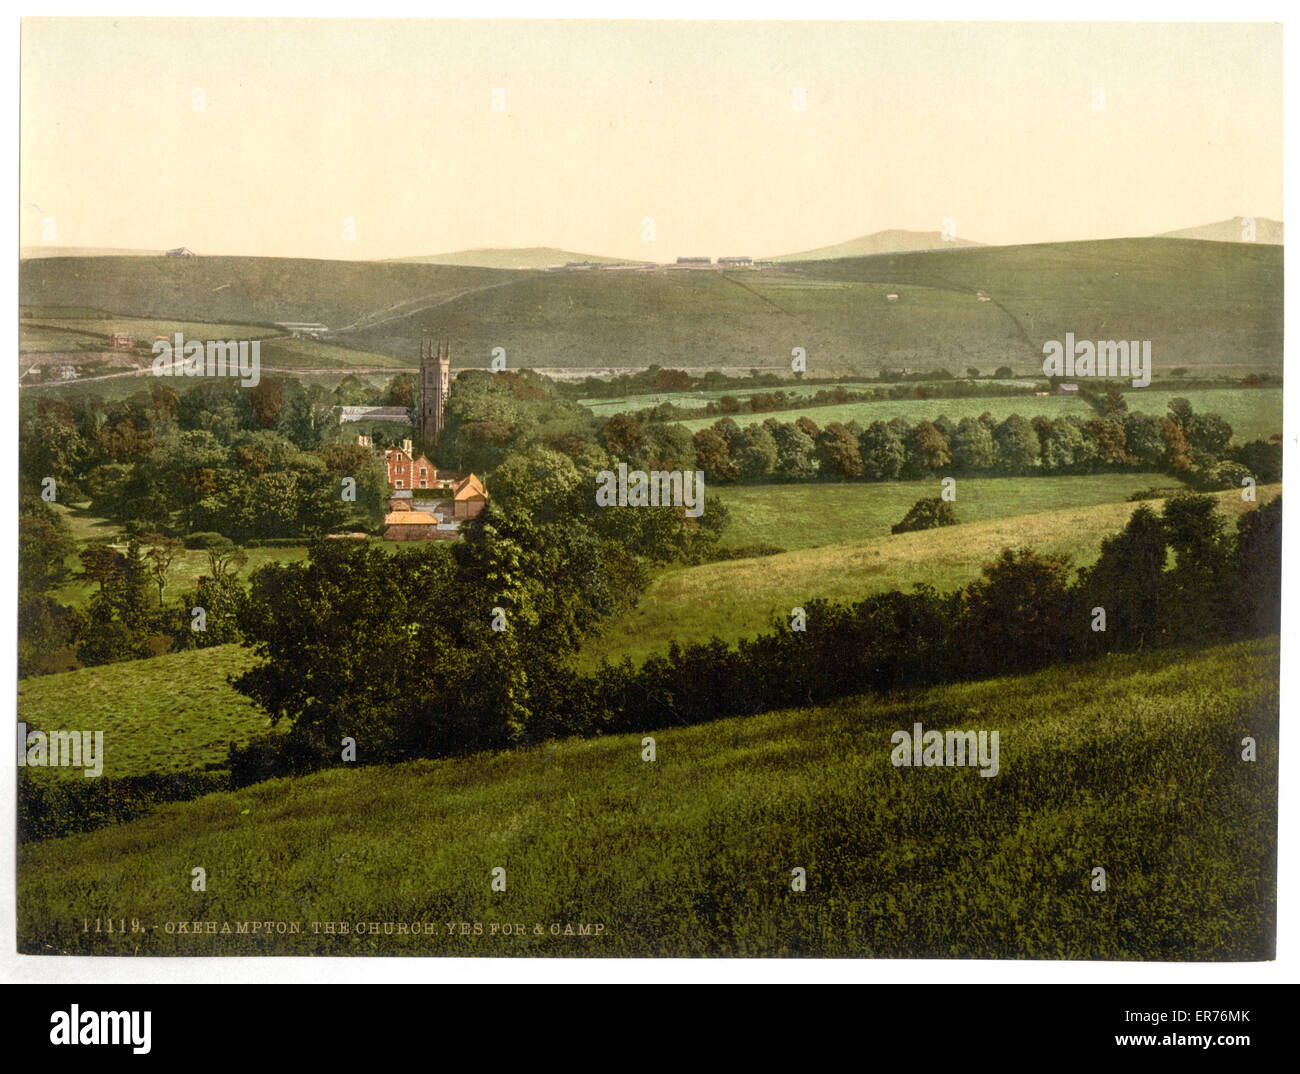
x=1131, y=764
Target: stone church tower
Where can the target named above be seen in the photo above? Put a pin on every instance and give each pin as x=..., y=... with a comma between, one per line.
x=435, y=383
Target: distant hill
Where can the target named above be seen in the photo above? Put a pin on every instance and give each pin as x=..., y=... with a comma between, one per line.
x=526, y=257
x=83, y=251
x=1268, y=232
x=1200, y=303
x=895, y=241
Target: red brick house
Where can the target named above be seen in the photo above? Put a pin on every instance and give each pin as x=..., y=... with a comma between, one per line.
x=406, y=470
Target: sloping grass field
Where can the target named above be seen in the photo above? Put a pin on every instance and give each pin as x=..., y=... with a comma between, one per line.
x=737, y=598
x=166, y=714
x=807, y=515
x=1129, y=764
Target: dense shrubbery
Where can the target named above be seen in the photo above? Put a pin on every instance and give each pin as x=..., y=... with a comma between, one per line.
x=262, y=462
x=49, y=807
x=414, y=683
x=926, y=515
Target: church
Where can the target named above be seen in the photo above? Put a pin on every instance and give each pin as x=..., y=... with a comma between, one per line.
x=435, y=383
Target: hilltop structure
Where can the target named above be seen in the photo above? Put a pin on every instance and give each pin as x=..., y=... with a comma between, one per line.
x=435, y=383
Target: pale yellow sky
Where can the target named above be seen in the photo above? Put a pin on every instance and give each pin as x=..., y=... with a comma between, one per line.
x=391, y=124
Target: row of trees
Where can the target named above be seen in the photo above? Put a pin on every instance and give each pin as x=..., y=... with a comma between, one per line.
x=1191, y=445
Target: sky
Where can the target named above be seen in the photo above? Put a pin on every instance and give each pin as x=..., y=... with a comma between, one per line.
x=394, y=138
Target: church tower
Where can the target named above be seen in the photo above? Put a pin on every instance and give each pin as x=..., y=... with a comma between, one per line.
x=435, y=383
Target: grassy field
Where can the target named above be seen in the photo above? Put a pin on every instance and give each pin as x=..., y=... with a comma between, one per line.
x=805, y=516
x=737, y=598
x=166, y=714
x=95, y=331
x=1130, y=764
x=1253, y=413
x=1200, y=303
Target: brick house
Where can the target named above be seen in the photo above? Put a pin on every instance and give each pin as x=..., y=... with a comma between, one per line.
x=406, y=470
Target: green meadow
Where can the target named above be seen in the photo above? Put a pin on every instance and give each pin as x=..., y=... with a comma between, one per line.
x=164, y=714
x=820, y=513
x=1129, y=764
x=738, y=598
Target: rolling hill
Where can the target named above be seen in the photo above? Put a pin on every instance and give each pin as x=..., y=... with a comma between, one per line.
x=1202, y=305
x=1267, y=231
x=524, y=257
x=895, y=241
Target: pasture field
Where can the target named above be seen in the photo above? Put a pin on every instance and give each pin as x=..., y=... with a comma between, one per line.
x=165, y=714
x=604, y=408
x=1253, y=413
x=1129, y=764
x=738, y=598
x=94, y=332
x=819, y=513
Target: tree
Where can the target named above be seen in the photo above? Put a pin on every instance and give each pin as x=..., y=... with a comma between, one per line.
x=926, y=514
x=1128, y=583
x=624, y=437
x=1208, y=433
x=225, y=558
x=796, y=452
x=1004, y=372
x=1180, y=410
x=927, y=450
x=1021, y=614
x=837, y=452
x=757, y=454
x=883, y=452
x=713, y=456
x=973, y=447
x=1018, y=447
x=1110, y=442
x=44, y=542
x=1145, y=440
x=162, y=553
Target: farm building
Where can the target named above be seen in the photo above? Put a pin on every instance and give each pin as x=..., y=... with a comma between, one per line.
x=468, y=497
x=181, y=251
x=404, y=524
